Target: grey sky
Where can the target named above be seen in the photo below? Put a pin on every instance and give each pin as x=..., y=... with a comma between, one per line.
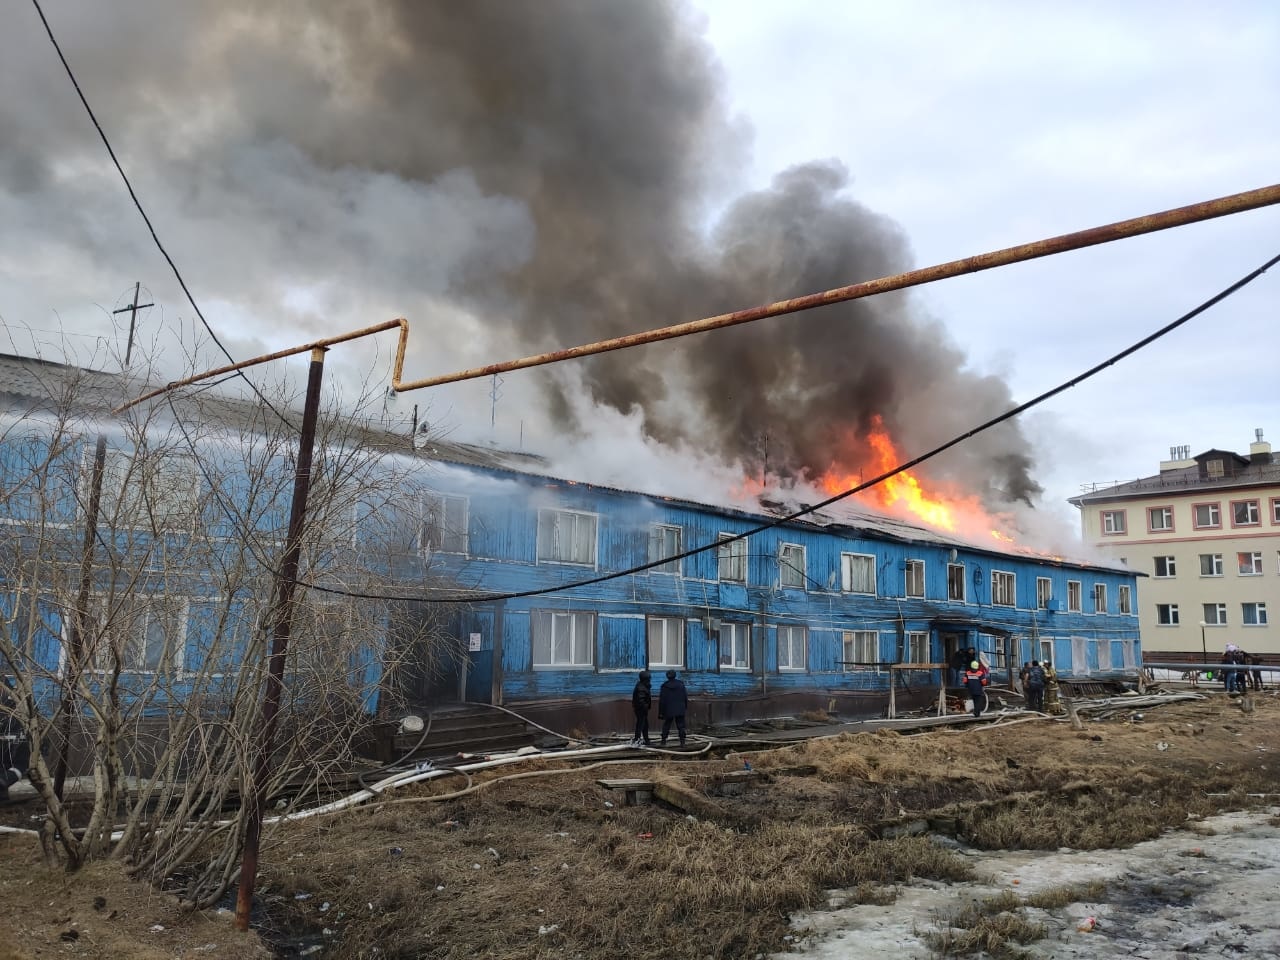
x=976, y=126
x=291, y=183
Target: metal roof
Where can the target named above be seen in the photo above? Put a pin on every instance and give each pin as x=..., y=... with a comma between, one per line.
x=29, y=382
x=1185, y=480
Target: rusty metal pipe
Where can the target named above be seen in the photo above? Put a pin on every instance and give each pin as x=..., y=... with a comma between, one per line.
x=279, y=355
x=1209, y=209
x=1151, y=223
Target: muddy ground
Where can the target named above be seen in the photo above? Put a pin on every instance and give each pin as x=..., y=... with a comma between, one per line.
x=723, y=863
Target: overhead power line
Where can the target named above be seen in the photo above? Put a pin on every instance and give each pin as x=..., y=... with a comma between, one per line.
x=1128, y=351
x=143, y=213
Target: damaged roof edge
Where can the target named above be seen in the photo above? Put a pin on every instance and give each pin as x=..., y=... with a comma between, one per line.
x=870, y=526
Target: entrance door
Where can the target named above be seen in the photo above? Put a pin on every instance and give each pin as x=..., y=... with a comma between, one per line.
x=951, y=642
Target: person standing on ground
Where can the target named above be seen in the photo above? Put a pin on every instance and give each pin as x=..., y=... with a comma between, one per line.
x=641, y=700
x=1035, y=687
x=1256, y=661
x=974, y=681
x=1233, y=677
x=673, y=703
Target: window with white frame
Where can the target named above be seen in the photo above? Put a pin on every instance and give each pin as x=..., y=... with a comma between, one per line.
x=1113, y=522
x=146, y=490
x=1002, y=588
x=1253, y=614
x=1275, y=510
x=993, y=650
x=915, y=578
x=443, y=523
x=731, y=556
x=665, y=540
x=1073, y=596
x=791, y=566
x=861, y=649
x=793, y=641
x=1249, y=564
x=1044, y=592
x=1046, y=650
x=956, y=582
x=917, y=650
x=563, y=639
x=1166, y=614
x=1165, y=567
x=1245, y=513
x=1210, y=564
x=567, y=536
x=1099, y=598
x=1124, y=599
x=1215, y=614
x=140, y=633
x=1207, y=515
x=858, y=573
x=735, y=645
x=1160, y=518
x=666, y=641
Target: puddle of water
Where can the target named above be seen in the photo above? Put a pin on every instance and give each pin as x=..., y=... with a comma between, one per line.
x=1179, y=896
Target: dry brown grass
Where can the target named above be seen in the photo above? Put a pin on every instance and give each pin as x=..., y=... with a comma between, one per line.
x=993, y=935
x=992, y=925
x=1055, y=898
x=727, y=883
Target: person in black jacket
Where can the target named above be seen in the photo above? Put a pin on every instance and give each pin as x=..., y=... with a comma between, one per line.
x=673, y=703
x=641, y=699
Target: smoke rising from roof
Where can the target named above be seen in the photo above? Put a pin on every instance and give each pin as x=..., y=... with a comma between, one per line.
x=536, y=174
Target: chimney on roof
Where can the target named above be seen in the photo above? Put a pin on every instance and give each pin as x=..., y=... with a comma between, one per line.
x=1259, y=450
x=1179, y=457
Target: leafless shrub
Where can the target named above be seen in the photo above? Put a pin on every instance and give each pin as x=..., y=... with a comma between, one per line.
x=138, y=599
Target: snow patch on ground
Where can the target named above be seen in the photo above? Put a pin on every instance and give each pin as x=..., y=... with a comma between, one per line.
x=1182, y=895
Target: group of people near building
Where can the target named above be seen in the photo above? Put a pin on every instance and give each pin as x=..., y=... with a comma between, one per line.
x=673, y=704
x=1235, y=673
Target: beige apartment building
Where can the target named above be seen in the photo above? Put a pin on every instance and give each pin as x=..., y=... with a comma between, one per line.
x=1206, y=532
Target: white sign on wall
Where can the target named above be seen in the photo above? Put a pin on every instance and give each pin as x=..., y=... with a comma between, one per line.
x=473, y=643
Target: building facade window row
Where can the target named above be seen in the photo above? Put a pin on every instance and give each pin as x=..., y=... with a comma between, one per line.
x=566, y=640
x=570, y=537
x=1239, y=514
x=1247, y=563
x=1214, y=614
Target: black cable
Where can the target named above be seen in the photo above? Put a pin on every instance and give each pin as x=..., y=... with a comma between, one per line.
x=901, y=468
x=146, y=219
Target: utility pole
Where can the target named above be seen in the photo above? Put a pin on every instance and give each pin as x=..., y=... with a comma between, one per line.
x=132, y=310
x=80, y=627
x=286, y=584
x=495, y=394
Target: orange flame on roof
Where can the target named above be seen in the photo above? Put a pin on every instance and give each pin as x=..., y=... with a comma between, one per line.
x=903, y=494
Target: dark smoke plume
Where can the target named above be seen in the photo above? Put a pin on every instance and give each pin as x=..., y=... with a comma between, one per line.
x=553, y=167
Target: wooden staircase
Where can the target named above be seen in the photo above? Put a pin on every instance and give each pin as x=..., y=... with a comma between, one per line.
x=454, y=729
